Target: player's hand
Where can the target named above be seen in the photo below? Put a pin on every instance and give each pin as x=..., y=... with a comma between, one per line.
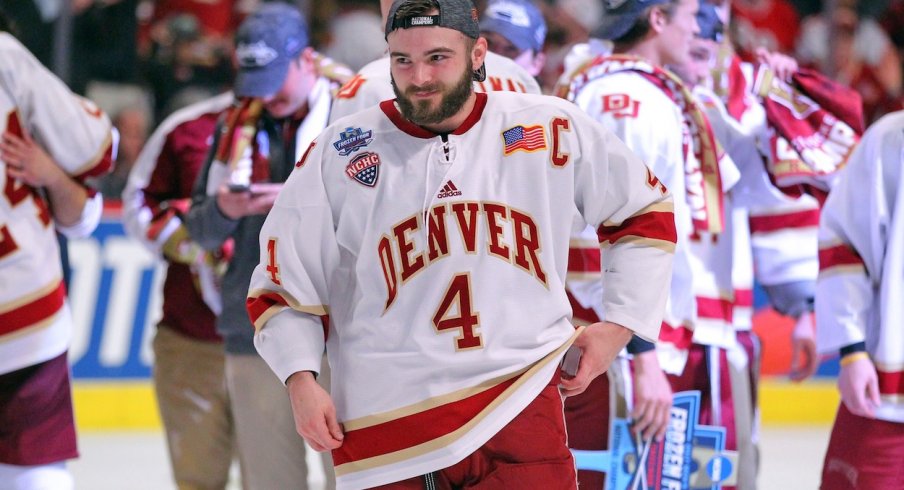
x=783, y=65
x=28, y=162
x=599, y=344
x=652, y=397
x=859, y=386
x=258, y=199
x=804, y=360
x=314, y=412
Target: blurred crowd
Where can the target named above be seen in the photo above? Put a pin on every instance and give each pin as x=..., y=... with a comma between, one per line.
x=143, y=59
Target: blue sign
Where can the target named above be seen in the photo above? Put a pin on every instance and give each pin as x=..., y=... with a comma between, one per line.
x=115, y=296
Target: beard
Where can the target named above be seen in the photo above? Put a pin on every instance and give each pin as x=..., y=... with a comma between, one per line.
x=451, y=101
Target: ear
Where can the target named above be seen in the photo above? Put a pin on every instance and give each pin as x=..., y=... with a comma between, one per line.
x=539, y=62
x=479, y=53
x=658, y=19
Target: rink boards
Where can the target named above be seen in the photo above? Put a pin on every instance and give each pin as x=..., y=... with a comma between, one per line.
x=116, y=302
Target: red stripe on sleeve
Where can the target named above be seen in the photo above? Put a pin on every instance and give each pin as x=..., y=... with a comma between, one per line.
x=776, y=222
x=584, y=260
x=259, y=305
x=680, y=337
x=656, y=225
x=838, y=255
x=891, y=383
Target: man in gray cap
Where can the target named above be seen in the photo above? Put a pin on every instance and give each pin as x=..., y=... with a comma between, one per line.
x=282, y=103
x=515, y=29
x=433, y=229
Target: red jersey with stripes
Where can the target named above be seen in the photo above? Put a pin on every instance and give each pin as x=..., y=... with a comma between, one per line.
x=34, y=323
x=442, y=265
x=860, y=291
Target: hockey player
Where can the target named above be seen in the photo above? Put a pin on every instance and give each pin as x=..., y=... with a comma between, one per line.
x=52, y=140
x=438, y=247
x=858, y=311
x=657, y=116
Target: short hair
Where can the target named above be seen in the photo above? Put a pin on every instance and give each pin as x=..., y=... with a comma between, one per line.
x=416, y=7
x=642, y=27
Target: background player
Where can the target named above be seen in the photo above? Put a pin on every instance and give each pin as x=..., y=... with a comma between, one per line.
x=52, y=140
x=858, y=311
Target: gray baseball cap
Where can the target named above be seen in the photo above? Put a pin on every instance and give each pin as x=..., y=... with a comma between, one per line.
x=266, y=42
x=619, y=16
x=519, y=21
x=460, y=15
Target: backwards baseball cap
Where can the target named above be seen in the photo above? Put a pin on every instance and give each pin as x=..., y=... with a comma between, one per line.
x=460, y=15
x=519, y=21
x=711, y=26
x=619, y=16
x=266, y=42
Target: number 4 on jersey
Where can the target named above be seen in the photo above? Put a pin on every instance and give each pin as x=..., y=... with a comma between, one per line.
x=458, y=297
x=272, y=268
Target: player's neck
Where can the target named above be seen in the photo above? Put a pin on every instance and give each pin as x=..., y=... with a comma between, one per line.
x=646, y=49
x=452, y=123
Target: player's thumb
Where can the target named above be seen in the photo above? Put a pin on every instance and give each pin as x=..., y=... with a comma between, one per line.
x=872, y=391
x=334, y=427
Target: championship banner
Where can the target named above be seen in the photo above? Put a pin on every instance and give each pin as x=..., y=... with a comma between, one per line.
x=692, y=456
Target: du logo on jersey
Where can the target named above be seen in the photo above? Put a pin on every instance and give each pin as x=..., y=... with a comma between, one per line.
x=351, y=140
x=365, y=168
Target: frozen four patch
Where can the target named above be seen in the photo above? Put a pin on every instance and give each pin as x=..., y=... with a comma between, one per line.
x=352, y=140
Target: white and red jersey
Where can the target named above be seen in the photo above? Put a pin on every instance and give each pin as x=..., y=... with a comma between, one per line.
x=34, y=325
x=860, y=291
x=774, y=232
x=373, y=84
x=442, y=266
x=653, y=126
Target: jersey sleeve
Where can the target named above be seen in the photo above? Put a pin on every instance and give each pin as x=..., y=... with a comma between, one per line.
x=852, y=241
x=73, y=130
x=633, y=214
x=143, y=214
x=288, y=295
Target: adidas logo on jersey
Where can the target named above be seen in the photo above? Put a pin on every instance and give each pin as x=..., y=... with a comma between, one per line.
x=449, y=190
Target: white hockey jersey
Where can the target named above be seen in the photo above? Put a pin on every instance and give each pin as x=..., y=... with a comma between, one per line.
x=441, y=267
x=860, y=291
x=774, y=233
x=373, y=84
x=34, y=321
x=700, y=301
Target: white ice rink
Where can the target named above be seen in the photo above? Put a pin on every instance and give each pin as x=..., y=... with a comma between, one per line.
x=791, y=459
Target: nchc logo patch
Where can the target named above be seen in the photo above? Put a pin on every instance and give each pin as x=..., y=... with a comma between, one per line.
x=365, y=168
x=351, y=140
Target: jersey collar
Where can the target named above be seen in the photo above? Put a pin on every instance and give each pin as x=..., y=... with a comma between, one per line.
x=392, y=112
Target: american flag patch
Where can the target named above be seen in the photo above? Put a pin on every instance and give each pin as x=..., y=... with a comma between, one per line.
x=530, y=138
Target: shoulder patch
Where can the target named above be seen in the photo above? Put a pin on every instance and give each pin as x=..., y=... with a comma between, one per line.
x=524, y=138
x=352, y=140
x=364, y=168
x=620, y=105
